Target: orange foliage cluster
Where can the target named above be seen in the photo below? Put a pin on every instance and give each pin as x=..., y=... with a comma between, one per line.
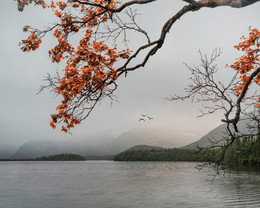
x=89, y=66
x=246, y=64
x=22, y=3
x=32, y=43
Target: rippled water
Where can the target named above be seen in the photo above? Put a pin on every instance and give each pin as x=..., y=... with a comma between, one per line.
x=108, y=184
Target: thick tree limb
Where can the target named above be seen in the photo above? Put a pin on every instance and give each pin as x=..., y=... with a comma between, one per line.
x=192, y=6
x=242, y=95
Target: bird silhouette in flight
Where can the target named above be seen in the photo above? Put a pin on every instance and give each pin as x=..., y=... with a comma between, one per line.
x=145, y=116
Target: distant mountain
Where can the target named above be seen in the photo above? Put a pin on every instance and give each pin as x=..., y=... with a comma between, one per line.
x=99, y=146
x=153, y=137
x=7, y=150
x=104, y=146
x=34, y=149
x=216, y=135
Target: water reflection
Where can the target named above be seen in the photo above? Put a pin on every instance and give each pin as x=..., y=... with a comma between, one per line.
x=243, y=169
x=240, y=187
x=108, y=184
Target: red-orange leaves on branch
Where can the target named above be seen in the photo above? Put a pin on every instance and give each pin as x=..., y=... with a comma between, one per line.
x=22, y=3
x=57, y=52
x=89, y=74
x=33, y=41
x=247, y=64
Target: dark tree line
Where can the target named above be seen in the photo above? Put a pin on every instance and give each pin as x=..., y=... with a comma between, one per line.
x=239, y=152
x=60, y=157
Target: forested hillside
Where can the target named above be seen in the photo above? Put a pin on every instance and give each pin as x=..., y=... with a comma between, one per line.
x=240, y=152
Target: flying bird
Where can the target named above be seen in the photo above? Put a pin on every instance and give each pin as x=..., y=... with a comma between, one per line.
x=144, y=117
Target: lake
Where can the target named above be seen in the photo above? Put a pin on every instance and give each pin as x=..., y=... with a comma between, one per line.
x=109, y=184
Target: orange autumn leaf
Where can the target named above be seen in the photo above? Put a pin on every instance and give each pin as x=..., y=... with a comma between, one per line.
x=89, y=65
x=249, y=62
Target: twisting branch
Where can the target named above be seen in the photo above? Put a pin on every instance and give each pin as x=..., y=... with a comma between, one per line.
x=204, y=89
x=93, y=66
x=240, y=98
x=193, y=6
x=216, y=96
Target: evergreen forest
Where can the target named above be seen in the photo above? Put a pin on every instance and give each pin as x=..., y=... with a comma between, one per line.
x=244, y=151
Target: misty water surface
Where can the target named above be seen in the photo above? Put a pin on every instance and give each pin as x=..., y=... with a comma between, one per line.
x=108, y=184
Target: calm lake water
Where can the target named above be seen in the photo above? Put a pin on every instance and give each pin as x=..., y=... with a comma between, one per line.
x=108, y=184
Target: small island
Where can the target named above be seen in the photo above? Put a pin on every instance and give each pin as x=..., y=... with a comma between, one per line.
x=59, y=157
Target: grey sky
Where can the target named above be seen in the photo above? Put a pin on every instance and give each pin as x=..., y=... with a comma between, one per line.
x=25, y=116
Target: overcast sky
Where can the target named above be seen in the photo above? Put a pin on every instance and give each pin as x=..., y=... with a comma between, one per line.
x=24, y=116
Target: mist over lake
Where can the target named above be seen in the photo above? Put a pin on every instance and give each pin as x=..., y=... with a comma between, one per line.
x=107, y=184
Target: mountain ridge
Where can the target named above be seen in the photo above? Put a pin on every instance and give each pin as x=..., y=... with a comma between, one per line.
x=218, y=135
x=124, y=141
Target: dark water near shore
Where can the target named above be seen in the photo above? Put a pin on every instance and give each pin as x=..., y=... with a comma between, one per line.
x=108, y=184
